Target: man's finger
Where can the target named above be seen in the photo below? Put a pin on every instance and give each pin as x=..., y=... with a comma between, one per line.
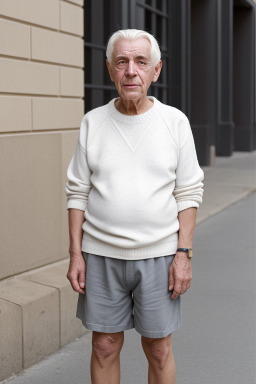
x=183, y=288
x=74, y=281
x=175, y=294
x=171, y=278
x=76, y=286
x=81, y=280
x=176, y=291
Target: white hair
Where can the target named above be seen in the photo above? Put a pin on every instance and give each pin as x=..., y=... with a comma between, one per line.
x=133, y=34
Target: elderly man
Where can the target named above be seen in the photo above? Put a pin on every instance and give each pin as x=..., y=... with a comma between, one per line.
x=134, y=185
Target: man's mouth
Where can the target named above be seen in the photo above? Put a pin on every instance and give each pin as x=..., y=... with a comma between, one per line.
x=131, y=85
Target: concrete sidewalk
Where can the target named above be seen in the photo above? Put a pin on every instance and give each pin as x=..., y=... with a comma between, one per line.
x=229, y=181
x=217, y=341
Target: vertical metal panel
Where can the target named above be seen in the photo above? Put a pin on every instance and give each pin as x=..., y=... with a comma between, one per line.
x=185, y=56
x=132, y=14
x=225, y=125
x=153, y=19
x=244, y=94
x=204, y=73
x=140, y=18
x=174, y=49
x=125, y=21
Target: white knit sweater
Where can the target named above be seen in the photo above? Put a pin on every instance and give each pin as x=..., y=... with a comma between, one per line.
x=132, y=175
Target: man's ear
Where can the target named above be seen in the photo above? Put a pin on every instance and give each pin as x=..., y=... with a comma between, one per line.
x=109, y=69
x=158, y=68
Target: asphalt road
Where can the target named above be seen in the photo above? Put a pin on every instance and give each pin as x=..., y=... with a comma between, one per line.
x=216, y=344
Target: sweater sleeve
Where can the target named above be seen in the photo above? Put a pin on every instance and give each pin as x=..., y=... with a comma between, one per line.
x=78, y=185
x=188, y=190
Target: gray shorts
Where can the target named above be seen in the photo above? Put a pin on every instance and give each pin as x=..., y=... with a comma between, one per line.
x=125, y=294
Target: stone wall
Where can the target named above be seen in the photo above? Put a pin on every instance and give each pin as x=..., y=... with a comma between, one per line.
x=41, y=107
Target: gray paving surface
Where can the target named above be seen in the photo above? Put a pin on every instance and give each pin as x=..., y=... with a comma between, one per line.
x=229, y=180
x=217, y=342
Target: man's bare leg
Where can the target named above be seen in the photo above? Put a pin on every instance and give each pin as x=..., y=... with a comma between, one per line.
x=160, y=358
x=105, y=360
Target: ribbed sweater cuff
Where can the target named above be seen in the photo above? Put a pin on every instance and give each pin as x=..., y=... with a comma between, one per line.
x=76, y=204
x=181, y=205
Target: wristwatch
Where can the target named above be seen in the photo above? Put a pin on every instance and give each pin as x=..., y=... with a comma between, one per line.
x=189, y=251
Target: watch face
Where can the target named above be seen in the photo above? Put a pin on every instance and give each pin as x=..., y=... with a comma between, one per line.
x=190, y=252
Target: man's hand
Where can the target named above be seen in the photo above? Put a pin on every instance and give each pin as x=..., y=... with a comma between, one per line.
x=76, y=273
x=180, y=274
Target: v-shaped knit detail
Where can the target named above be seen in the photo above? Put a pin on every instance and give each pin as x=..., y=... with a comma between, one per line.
x=133, y=129
x=135, y=138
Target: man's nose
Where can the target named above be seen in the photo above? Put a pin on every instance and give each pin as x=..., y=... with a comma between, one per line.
x=131, y=69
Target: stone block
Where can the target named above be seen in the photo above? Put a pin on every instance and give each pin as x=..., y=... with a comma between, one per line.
x=31, y=203
x=71, y=82
x=11, y=339
x=50, y=113
x=15, y=114
x=71, y=19
x=68, y=146
x=57, y=47
x=15, y=39
x=54, y=275
x=17, y=76
x=40, y=317
x=40, y=12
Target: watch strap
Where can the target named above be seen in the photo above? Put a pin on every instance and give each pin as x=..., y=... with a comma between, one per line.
x=187, y=250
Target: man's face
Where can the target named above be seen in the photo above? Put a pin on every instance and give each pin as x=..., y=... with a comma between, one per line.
x=131, y=69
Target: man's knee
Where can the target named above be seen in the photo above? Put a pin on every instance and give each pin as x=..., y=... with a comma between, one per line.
x=157, y=351
x=107, y=346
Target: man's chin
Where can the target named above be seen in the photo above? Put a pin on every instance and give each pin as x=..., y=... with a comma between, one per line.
x=131, y=95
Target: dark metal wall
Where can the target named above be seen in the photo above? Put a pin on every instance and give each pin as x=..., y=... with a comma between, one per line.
x=222, y=88
x=243, y=79
x=203, y=76
x=208, y=49
x=225, y=124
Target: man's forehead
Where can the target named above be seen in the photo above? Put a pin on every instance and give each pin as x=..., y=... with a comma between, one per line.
x=138, y=47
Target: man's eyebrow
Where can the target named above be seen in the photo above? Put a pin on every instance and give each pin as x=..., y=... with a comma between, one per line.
x=118, y=57
x=121, y=57
x=142, y=57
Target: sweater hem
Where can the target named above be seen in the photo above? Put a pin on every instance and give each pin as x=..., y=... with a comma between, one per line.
x=157, y=249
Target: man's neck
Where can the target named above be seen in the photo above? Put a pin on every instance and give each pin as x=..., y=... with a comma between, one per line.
x=133, y=107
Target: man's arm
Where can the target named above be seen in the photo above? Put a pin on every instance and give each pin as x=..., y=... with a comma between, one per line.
x=180, y=272
x=188, y=193
x=77, y=189
x=76, y=271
